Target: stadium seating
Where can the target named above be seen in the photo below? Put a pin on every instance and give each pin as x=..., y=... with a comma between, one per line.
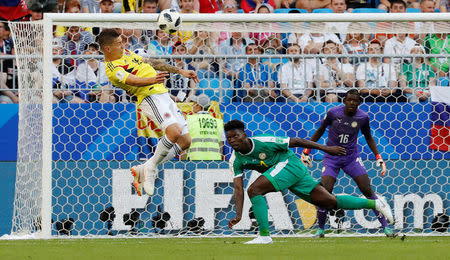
x=287, y=10
x=413, y=10
x=368, y=10
x=212, y=89
x=322, y=10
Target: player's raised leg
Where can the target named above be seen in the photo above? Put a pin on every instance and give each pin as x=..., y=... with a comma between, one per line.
x=363, y=183
x=322, y=198
x=256, y=193
x=161, y=109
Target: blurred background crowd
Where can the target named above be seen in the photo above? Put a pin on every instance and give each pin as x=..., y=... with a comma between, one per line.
x=322, y=79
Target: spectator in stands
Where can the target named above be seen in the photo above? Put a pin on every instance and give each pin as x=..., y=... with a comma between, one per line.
x=7, y=48
x=339, y=7
x=296, y=77
x=260, y=37
x=161, y=45
x=180, y=88
x=229, y=7
x=334, y=77
x=235, y=45
x=396, y=6
x=150, y=6
x=257, y=79
x=250, y=5
x=417, y=77
x=72, y=6
x=355, y=43
x=175, y=4
x=400, y=44
x=204, y=45
x=35, y=16
x=91, y=74
x=106, y=6
x=439, y=44
x=427, y=6
x=273, y=45
x=444, y=6
x=130, y=39
x=187, y=7
x=313, y=4
x=377, y=80
x=61, y=93
x=8, y=73
x=95, y=6
x=75, y=41
x=311, y=43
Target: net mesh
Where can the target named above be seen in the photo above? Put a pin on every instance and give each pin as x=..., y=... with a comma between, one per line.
x=98, y=133
x=28, y=192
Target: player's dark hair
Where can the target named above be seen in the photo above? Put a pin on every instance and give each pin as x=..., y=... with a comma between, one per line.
x=107, y=37
x=399, y=2
x=352, y=92
x=233, y=125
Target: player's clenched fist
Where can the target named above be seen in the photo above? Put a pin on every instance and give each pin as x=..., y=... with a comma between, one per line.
x=381, y=164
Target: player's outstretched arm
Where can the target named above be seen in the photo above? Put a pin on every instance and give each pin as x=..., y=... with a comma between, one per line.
x=164, y=66
x=300, y=142
x=306, y=159
x=238, y=200
x=143, y=82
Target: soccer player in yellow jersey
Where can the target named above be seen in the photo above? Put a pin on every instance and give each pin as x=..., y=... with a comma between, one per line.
x=138, y=76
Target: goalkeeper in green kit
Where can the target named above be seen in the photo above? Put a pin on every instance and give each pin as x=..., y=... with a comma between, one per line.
x=281, y=169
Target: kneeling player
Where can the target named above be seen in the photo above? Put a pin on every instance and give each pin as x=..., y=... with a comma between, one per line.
x=281, y=169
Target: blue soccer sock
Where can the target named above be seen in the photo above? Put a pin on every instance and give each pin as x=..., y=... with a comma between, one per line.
x=260, y=210
x=322, y=217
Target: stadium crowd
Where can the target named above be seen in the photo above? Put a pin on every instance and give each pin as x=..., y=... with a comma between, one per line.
x=323, y=79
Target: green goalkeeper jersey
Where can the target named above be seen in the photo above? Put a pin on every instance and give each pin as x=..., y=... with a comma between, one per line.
x=266, y=152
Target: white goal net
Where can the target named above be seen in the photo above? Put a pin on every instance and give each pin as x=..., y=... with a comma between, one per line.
x=79, y=135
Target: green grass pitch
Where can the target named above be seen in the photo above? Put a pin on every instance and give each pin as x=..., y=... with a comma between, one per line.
x=229, y=248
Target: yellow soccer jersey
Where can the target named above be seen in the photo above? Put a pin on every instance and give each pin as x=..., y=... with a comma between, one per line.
x=131, y=63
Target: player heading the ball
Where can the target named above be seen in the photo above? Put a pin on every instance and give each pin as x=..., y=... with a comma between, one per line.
x=281, y=169
x=137, y=76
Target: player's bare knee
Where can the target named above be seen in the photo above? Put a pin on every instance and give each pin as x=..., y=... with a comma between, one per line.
x=253, y=191
x=331, y=203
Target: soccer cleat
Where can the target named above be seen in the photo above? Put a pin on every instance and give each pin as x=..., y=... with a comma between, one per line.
x=149, y=179
x=320, y=233
x=384, y=209
x=137, y=172
x=388, y=232
x=260, y=240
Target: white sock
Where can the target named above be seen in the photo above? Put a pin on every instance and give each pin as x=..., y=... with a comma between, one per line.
x=162, y=150
x=174, y=151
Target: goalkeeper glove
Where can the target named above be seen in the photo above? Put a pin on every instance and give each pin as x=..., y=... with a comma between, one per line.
x=381, y=164
x=306, y=159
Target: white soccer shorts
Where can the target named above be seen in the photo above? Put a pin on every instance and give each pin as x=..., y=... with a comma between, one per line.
x=161, y=109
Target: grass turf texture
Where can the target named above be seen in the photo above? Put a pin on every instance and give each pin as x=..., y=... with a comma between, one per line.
x=229, y=248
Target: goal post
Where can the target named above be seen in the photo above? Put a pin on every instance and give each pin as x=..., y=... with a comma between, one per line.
x=80, y=153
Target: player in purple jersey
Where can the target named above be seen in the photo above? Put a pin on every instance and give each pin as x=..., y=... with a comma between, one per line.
x=344, y=124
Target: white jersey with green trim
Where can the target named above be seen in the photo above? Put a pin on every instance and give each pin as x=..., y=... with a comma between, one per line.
x=266, y=152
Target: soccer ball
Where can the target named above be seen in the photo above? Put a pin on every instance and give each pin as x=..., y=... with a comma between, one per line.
x=169, y=21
